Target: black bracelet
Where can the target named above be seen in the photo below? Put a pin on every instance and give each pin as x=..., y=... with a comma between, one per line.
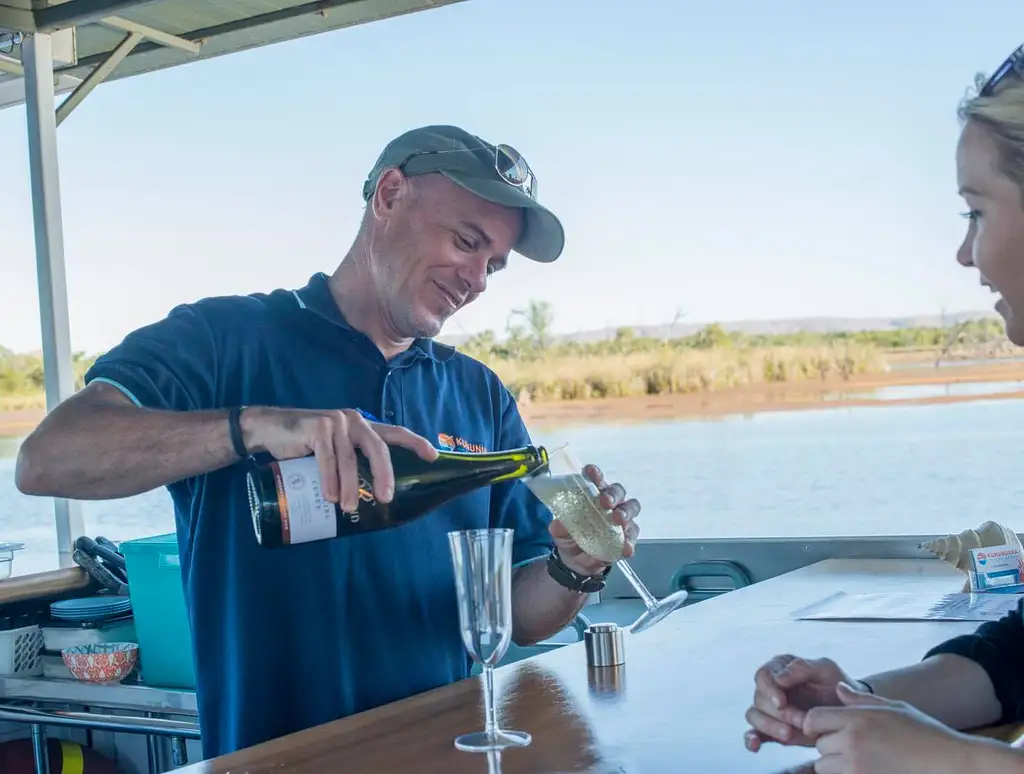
x=235, y=427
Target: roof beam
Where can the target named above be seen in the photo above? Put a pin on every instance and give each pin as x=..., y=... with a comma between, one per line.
x=17, y=19
x=163, y=38
x=12, y=90
x=77, y=12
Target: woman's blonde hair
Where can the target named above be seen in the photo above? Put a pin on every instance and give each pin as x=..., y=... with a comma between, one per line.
x=1001, y=115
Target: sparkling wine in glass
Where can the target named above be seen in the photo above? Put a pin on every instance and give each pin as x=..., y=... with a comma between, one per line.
x=575, y=501
x=482, y=561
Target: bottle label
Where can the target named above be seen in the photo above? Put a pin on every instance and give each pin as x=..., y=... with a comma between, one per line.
x=305, y=514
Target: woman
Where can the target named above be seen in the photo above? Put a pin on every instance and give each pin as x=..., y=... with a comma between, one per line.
x=905, y=721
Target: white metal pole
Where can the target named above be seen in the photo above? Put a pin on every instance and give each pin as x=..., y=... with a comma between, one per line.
x=37, y=59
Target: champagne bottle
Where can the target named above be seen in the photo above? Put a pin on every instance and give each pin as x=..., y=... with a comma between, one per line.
x=288, y=507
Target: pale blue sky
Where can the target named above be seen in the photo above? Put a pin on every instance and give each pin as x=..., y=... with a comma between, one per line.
x=723, y=158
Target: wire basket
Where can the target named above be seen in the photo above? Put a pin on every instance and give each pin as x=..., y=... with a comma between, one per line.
x=21, y=651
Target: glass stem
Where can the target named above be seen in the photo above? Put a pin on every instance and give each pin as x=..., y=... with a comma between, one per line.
x=494, y=762
x=490, y=720
x=633, y=578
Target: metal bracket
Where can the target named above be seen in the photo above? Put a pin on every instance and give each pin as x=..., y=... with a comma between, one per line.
x=136, y=33
x=98, y=75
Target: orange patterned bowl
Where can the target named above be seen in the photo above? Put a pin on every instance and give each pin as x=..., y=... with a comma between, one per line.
x=104, y=663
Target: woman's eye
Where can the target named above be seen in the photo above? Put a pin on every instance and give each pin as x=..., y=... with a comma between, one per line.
x=971, y=214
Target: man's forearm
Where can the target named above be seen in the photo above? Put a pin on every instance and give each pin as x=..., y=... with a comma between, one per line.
x=952, y=689
x=541, y=607
x=98, y=445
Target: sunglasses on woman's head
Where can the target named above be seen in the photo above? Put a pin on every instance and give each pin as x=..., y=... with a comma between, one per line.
x=1014, y=65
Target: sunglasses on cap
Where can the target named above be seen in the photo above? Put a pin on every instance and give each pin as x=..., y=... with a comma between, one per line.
x=508, y=163
x=1014, y=64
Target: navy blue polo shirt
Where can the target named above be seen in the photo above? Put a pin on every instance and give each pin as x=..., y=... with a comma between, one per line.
x=291, y=638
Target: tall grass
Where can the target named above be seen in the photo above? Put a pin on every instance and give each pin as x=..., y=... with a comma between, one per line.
x=539, y=366
x=669, y=371
x=675, y=371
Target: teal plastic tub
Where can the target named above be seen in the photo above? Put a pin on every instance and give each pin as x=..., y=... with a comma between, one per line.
x=158, y=602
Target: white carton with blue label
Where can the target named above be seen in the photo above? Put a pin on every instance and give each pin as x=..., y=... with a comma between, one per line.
x=998, y=569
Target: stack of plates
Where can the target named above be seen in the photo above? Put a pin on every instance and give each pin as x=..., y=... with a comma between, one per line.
x=90, y=608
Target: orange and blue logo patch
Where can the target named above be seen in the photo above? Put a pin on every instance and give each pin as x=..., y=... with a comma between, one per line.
x=450, y=442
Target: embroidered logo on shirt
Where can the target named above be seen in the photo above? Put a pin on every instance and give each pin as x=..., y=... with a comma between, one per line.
x=454, y=443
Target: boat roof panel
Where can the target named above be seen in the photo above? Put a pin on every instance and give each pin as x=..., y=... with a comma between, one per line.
x=220, y=26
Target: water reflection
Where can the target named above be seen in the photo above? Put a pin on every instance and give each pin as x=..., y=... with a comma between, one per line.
x=965, y=363
x=924, y=391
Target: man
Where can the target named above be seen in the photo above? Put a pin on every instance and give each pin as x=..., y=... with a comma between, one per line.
x=288, y=639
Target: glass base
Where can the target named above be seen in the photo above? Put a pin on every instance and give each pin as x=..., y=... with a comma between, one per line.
x=481, y=741
x=659, y=610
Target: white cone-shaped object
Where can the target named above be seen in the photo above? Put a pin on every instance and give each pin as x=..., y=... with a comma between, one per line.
x=956, y=549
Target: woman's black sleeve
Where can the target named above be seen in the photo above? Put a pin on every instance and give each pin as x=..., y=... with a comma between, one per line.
x=998, y=647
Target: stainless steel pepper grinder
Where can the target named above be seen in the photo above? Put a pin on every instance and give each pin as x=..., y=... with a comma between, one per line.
x=606, y=657
x=604, y=644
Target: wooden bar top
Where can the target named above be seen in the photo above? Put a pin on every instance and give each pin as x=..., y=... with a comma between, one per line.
x=44, y=585
x=675, y=706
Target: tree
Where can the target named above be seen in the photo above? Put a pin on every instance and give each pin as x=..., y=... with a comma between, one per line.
x=480, y=345
x=712, y=336
x=953, y=335
x=537, y=318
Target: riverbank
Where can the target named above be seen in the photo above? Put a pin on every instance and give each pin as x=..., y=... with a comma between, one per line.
x=995, y=380
x=919, y=386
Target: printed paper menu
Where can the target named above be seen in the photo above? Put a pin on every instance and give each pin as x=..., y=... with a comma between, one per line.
x=909, y=606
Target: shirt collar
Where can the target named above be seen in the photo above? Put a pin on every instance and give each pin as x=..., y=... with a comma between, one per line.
x=316, y=297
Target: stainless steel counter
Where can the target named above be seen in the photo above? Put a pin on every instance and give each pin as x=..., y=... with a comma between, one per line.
x=129, y=698
x=165, y=713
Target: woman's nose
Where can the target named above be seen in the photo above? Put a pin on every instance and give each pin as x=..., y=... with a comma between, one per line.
x=965, y=255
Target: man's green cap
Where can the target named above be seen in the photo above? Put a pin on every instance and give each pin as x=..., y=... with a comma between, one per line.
x=473, y=163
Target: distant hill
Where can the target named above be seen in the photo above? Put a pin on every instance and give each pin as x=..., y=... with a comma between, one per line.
x=749, y=327
x=770, y=327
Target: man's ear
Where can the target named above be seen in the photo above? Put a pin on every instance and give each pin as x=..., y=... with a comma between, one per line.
x=392, y=187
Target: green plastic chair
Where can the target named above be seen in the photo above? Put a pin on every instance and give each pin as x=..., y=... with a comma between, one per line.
x=569, y=635
x=732, y=574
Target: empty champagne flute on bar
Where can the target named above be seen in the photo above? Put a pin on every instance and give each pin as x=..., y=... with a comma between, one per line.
x=482, y=562
x=575, y=501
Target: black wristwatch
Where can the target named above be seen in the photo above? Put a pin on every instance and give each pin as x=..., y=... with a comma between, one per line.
x=566, y=576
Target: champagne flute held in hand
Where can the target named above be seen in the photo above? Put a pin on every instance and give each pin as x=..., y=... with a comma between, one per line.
x=575, y=501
